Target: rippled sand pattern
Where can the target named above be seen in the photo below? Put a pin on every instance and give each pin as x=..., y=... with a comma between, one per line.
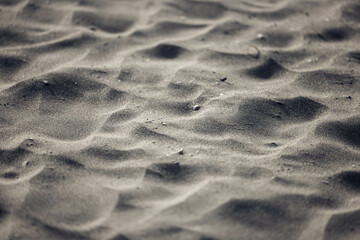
x=177, y=119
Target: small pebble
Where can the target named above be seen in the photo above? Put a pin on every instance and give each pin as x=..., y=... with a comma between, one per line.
x=181, y=152
x=164, y=123
x=273, y=144
x=253, y=51
x=260, y=36
x=223, y=79
x=25, y=163
x=197, y=108
x=312, y=60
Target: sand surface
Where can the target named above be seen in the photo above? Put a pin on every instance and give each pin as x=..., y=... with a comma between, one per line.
x=174, y=119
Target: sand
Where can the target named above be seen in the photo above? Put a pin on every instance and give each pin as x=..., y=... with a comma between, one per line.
x=176, y=119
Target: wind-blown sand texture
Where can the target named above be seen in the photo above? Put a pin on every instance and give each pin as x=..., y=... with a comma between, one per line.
x=176, y=119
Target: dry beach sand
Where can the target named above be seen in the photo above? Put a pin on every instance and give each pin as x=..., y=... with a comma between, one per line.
x=176, y=119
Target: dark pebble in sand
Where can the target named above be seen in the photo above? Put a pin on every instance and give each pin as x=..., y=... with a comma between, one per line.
x=197, y=108
x=272, y=144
